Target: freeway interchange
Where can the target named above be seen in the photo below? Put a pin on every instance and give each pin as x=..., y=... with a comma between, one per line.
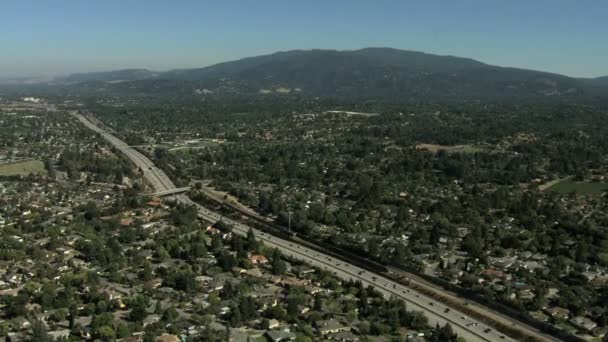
x=436, y=312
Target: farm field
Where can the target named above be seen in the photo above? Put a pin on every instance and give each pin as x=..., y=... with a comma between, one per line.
x=582, y=188
x=22, y=168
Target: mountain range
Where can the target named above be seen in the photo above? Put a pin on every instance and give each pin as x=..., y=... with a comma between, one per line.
x=366, y=73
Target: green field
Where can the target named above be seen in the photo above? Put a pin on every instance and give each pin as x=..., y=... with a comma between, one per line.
x=581, y=188
x=23, y=168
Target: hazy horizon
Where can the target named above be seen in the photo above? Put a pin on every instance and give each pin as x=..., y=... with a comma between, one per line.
x=71, y=36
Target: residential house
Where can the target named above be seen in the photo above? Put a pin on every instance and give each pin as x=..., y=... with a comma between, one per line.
x=273, y=324
x=151, y=319
x=558, y=312
x=583, y=323
x=205, y=280
x=59, y=334
x=254, y=272
x=154, y=283
x=168, y=338
x=330, y=326
x=258, y=259
x=280, y=335
x=292, y=281
x=343, y=336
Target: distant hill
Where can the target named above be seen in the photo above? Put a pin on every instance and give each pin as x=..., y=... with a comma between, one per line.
x=597, y=87
x=111, y=76
x=25, y=80
x=380, y=72
x=295, y=66
x=600, y=81
x=368, y=73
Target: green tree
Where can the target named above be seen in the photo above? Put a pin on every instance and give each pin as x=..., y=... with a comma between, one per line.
x=228, y=292
x=105, y=333
x=293, y=303
x=235, y=317
x=4, y=328
x=443, y=334
x=170, y=314
x=277, y=264
x=146, y=273
x=197, y=250
x=318, y=303
x=251, y=243
x=72, y=314
x=39, y=332
x=122, y=330
x=138, y=309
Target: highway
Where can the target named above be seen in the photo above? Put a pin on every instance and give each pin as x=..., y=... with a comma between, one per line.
x=435, y=311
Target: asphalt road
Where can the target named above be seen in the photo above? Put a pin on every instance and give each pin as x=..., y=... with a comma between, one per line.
x=436, y=312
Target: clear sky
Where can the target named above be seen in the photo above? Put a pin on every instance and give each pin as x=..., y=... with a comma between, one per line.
x=50, y=37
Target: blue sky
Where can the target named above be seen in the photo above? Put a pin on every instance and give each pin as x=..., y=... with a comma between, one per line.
x=50, y=37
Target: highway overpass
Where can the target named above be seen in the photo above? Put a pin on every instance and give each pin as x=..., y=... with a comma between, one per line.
x=170, y=192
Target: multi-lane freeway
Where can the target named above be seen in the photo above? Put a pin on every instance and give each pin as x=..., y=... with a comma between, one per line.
x=436, y=312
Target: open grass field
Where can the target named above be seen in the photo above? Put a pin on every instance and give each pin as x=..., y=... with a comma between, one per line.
x=451, y=149
x=22, y=168
x=581, y=188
